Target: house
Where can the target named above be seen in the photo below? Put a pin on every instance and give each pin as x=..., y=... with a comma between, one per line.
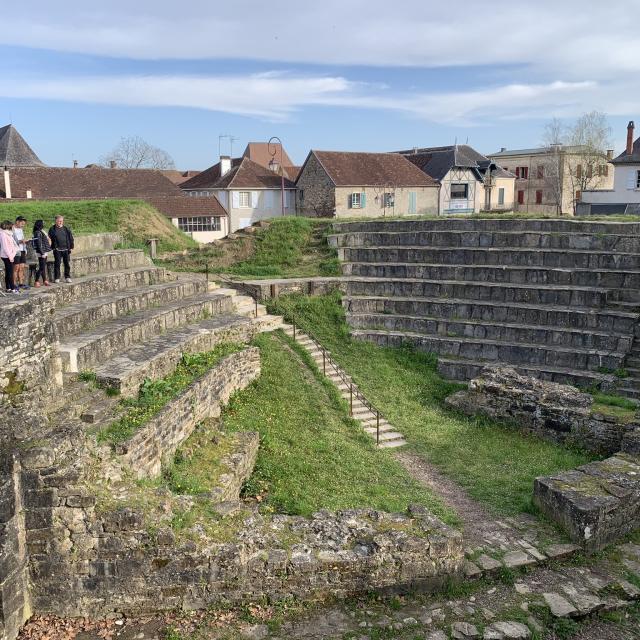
x=551, y=179
x=272, y=156
x=249, y=191
x=348, y=184
x=177, y=176
x=24, y=176
x=469, y=182
x=624, y=196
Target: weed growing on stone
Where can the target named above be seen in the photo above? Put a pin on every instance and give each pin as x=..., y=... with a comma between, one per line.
x=154, y=395
x=493, y=462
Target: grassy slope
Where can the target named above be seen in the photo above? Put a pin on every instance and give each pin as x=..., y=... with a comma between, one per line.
x=312, y=455
x=495, y=463
x=288, y=247
x=135, y=220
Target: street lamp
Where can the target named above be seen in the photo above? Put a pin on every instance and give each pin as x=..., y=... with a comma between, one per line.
x=273, y=165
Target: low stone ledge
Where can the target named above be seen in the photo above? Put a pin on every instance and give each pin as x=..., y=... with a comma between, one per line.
x=596, y=503
x=272, y=288
x=158, y=440
x=554, y=411
x=239, y=465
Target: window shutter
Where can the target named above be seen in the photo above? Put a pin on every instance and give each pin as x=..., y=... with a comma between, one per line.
x=363, y=200
x=517, y=172
x=235, y=199
x=631, y=182
x=254, y=199
x=412, y=202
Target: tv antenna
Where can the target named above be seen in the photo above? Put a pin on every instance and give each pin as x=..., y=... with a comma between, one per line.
x=230, y=138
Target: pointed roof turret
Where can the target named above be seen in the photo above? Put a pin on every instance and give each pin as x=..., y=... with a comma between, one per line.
x=14, y=150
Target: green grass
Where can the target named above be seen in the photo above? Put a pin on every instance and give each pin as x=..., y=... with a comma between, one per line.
x=154, y=395
x=286, y=248
x=135, y=220
x=312, y=455
x=494, y=463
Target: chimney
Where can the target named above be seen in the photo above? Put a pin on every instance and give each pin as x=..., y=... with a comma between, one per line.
x=75, y=164
x=503, y=149
x=7, y=184
x=225, y=165
x=29, y=194
x=112, y=164
x=630, y=128
x=609, y=154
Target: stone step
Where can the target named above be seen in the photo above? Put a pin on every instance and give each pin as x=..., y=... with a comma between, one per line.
x=392, y=444
x=497, y=223
x=466, y=369
x=81, y=316
x=96, y=263
x=616, y=321
x=498, y=351
x=633, y=362
x=388, y=436
x=498, y=256
x=498, y=331
x=86, y=350
x=91, y=286
x=529, y=239
x=483, y=291
x=605, y=278
x=384, y=428
x=158, y=356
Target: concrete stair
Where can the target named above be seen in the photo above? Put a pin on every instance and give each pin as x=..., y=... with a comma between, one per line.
x=373, y=423
x=558, y=299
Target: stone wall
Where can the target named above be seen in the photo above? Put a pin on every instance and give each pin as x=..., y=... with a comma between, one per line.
x=28, y=358
x=272, y=288
x=553, y=411
x=238, y=466
x=157, y=441
x=96, y=242
x=316, y=191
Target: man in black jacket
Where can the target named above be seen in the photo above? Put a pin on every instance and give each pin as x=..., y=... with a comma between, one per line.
x=62, y=245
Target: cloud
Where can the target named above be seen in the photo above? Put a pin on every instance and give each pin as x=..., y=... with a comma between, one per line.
x=562, y=38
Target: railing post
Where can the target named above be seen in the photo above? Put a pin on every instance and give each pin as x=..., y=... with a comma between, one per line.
x=293, y=322
x=256, y=310
x=206, y=271
x=324, y=362
x=377, y=428
x=351, y=400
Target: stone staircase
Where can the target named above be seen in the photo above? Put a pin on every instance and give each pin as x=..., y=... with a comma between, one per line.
x=125, y=320
x=558, y=299
x=373, y=423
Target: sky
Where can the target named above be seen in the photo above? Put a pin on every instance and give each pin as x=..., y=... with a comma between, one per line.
x=359, y=75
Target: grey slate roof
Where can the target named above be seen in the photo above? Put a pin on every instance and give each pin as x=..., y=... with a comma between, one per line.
x=507, y=153
x=632, y=158
x=14, y=150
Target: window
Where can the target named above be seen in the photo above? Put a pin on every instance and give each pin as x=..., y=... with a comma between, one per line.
x=301, y=195
x=355, y=200
x=501, y=195
x=538, y=197
x=200, y=224
x=579, y=171
x=520, y=197
x=459, y=191
x=603, y=170
x=244, y=199
x=522, y=172
x=578, y=195
x=590, y=171
x=388, y=199
x=540, y=172
x=637, y=179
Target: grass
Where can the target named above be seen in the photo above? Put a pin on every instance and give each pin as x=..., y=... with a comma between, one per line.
x=135, y=220
x=154, y=395
x=495, y=463
x=286, y=248
x=312, y=455
x=617, y=407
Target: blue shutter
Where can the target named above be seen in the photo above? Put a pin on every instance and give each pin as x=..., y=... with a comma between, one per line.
x=363, y=200
x=412, y=202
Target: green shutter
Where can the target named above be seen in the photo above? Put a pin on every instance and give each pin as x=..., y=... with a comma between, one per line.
x=363, y=200
x=413, y=207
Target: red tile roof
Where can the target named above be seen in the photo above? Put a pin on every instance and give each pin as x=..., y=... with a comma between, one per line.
x=244, y=174
x=356, y=169
x=178, y=177
x=184, y=206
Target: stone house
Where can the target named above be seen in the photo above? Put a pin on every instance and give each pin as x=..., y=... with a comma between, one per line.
x=352, y=184
x=24, y=176
x=551, y=179
x=247, y=190
x=469, y=182
x=624, y=196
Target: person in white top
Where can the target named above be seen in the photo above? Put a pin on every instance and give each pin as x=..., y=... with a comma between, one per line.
x=20, y=261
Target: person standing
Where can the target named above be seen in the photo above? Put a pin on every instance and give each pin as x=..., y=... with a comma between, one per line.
x=20, y=261
x=8, y=252
x=62, y=245
x=42, y=247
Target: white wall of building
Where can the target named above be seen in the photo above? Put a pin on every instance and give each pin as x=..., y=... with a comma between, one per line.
x=625, y=187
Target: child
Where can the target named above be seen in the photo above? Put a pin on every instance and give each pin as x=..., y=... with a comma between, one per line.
x=8, y=251
x=42, y=247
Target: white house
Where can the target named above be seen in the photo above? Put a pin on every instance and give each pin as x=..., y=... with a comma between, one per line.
x=625, y=196
x=247, y=190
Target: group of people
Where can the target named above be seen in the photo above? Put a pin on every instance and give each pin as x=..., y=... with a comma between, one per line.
x=14, y=246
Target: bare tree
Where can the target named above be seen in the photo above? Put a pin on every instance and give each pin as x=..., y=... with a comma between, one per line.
x=135, y=153
x=577, y=158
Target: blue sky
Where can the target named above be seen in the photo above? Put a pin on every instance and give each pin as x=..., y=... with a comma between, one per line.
x=356, y=75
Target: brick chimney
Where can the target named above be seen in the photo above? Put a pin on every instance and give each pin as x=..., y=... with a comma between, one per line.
x=112, y=164
x=75, y=164
x=630, y=128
